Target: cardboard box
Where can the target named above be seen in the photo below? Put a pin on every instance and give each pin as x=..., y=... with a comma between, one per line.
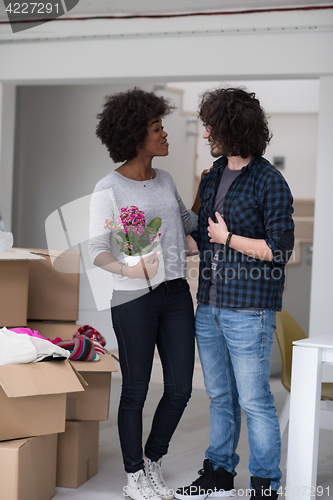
x=93, y=403
x=14, y=276
x=33, y=398
x=53, y=329
x=28, y=468
x=77, y=457
x=54, y=286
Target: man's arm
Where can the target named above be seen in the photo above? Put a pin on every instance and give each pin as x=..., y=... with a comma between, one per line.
x=279, y=226
x=218, y=233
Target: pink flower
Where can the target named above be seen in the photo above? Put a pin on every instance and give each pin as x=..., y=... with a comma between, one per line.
x=131, y=219
x=108, y=224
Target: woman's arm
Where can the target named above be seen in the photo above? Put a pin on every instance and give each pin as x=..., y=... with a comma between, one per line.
x=197, y=202
x=190, y=219
x=190, y=223
x=192, y=247
x=145, y=268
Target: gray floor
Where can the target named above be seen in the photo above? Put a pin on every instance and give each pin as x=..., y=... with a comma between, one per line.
x=186, y=451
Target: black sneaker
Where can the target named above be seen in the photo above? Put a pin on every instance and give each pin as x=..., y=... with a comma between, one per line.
x=210, y=483
x=261, y=489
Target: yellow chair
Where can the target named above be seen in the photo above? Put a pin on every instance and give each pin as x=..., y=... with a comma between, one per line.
x=287, y=331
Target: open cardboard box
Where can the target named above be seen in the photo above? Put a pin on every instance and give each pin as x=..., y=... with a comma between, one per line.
x=14, y=283
x=54, y=284
x=33, y=397
x=77, y=457
x=93, y=403
x=28, y=468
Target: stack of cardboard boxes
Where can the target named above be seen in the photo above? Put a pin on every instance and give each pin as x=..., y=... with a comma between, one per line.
x=49, y=411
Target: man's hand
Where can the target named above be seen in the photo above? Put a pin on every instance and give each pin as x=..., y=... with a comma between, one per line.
x=218, y=232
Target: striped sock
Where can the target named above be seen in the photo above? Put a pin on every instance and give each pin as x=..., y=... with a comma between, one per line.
x=81, y=349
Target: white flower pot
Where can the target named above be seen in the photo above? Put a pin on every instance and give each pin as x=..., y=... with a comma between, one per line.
x=132, y=260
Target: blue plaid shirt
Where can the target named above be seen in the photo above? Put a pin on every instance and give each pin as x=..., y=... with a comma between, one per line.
x=257, y=205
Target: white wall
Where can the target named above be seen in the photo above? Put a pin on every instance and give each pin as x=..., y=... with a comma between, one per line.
x=295, y=138
x=275, y=96
x=321, y=313
x=7, y=137
x=57, y=156
x=292, y=110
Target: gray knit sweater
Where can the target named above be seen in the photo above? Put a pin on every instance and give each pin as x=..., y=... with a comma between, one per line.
x=158, y=199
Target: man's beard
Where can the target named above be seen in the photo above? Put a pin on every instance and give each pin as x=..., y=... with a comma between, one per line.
x=216, y=151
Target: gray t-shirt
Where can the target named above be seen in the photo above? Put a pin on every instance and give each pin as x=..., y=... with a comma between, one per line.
x=158, y=199
x=227, y=179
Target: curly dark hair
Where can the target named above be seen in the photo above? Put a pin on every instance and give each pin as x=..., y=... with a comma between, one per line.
x=237, y=120
x=123, y=122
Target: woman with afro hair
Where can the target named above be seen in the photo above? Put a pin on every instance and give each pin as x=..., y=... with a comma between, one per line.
x=151, y=303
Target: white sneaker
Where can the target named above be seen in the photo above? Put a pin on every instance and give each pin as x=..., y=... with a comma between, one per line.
x=154, y=475
x=138, y=487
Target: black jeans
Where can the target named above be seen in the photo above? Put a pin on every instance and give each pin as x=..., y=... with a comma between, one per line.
x=162, y=317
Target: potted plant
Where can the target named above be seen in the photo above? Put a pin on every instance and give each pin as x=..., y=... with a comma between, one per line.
x=135, y=238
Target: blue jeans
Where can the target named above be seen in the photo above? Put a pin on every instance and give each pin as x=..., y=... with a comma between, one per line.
x=235, y=347
x=163, y=317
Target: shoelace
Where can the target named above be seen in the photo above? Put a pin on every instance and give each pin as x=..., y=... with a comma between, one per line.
x=155, y=475
x=202, y=472
x=144, y=486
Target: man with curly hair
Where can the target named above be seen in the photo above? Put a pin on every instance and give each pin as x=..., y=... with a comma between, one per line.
x=245, y=237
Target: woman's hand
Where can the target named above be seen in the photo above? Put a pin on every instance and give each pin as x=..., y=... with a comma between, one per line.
x=218, y=232
x=146, y=268
x=197, y=202
x=205, y=172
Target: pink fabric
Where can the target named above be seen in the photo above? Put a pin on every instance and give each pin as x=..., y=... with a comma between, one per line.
x=27, y=331
x=56, y=340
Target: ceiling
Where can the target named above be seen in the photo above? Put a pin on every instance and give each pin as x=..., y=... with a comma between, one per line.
x=133, y=7
x=91, y=8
